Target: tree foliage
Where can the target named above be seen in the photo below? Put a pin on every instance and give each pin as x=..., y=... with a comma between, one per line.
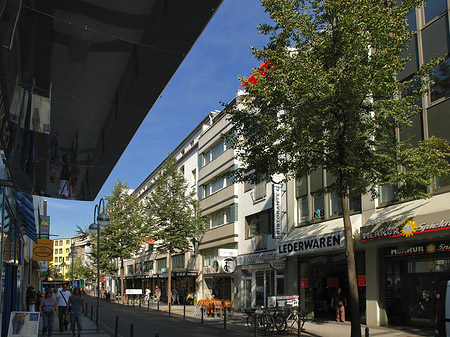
x=329, y=99
x=172, y=211
x=80, y=271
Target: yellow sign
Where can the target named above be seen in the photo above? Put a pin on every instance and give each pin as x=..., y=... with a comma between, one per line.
x=43, y=250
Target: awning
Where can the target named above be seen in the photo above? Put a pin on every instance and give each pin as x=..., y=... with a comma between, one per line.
x=325, y=236
x=408, y=219
x=26, y=210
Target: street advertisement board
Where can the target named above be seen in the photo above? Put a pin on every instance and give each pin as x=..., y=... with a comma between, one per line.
x=23, y=324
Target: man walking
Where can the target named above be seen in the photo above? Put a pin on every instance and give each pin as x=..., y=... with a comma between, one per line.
x=62, y=298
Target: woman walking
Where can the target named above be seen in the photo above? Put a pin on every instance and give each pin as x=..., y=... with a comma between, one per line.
x=77, y=308
x=48, y=310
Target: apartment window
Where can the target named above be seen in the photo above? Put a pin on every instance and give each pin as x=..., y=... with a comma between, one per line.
x=213, y=153
x=434, y=8
x=178, y=261
x=441, y=80
x=67, y=242
x=161, y=264
x=148, y=265
x=130, y=269
x=224, y=216
x=56, y=251
x=67, y=250
x=56, y=259
x=60, y=259
x=214, y=186
x=193, y=177
x=60, y=250
x=258, y=226
x=56, y=243
x=260, y=190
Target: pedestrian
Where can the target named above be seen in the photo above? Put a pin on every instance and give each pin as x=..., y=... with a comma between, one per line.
x=62, y=299
x=175, y=297
x=147, y=294
x=31, y=299
x=77, y=309
x=339, y=302
x=158, y=293
x=48, y=308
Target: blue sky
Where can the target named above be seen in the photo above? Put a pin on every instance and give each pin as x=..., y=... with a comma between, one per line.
x=208, y=76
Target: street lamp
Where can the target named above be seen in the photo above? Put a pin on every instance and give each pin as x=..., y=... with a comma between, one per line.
x=73, y=252
x=95, y=228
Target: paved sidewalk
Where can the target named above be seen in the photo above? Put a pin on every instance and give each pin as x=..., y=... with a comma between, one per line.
x=236, y=324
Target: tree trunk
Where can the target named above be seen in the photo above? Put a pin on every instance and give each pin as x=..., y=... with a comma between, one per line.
x=351, y=270
x=121, y=282
x=169, y=280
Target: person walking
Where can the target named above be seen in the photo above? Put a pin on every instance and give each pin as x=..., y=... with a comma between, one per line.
x=77, y=309
x=339, y=302
x=48, y=308
x=62, y=299
x=158, y=293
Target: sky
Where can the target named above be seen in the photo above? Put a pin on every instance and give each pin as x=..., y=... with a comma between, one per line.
x=207, y=76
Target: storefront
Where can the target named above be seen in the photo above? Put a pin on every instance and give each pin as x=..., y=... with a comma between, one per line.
x=318, y=266
x=410, y=244
x=259, y=279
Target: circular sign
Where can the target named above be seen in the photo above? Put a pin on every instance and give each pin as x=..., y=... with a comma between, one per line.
x=277, y=264
x=228, y=265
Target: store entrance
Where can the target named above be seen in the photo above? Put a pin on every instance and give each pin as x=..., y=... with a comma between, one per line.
x=411, y=288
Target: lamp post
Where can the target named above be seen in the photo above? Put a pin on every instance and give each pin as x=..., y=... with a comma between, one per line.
x=102, y=221
x=73, y=252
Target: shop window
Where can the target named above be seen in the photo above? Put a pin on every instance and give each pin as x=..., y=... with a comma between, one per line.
x=161, y=264
x=258, y=226
x=441, y=80
x=434, y=8
x=178, y=261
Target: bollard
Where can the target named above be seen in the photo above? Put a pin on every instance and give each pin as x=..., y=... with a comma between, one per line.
x=256, y=326
x=158, y=307
x=92, y=312
x=131, y=330
x=128, y=301
x=224, y=318
x=169, y=308
x=184, y=310
x=367, y=331
x=116, y=328
x=139, y=302
x=97, y=310
x=202, y=313
x=148, y=304
x=299, y=326
x=86, y=309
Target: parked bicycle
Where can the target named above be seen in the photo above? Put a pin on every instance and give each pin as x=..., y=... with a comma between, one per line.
x=264, y=319
x=293, y=318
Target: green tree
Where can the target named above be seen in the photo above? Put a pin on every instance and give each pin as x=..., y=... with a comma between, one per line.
x=121, y=239
x=80, y=271
x=173, y=215
x=329, y=100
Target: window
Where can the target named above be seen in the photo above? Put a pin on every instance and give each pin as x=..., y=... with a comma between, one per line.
x=56, y=251
x=441, y=80
x=60, y=251
x=214, y=186
x=434, y=8
x=56, y=259
x=67, y=242
x=258, y=226
x=213, y=153
x=148, y=265
x=60, y=242
x=67, y=250
x=411, y=20
x=260, y=190
x=223, y=216
x=130, y=269
x=160, y=264
x=178, y=261
x=60, y=259
x=56, y=243
x=316, y=181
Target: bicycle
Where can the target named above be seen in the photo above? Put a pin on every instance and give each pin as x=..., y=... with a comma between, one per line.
x=295, y=315
x=264, y=319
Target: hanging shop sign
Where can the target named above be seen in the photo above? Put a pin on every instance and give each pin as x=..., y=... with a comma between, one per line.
x=407, y=228
x=277, y=264
x=361, y=280
x=277, y=212
x=304, y=283
x=44, y=227
x=312, y=244
x=43, y=250
x=228, y=265
x=256, y=258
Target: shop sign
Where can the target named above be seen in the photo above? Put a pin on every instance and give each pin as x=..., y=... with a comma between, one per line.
x=184, y=274
x=133, y=291
x=332, y=282
x=312, y=244
x=43, y=250
x=419, y=249
x=27, y=321
x=361, y=280
x=228, y=265
x=408, y=228
x=304, y=283
x=226, y=252
x=282, y=301
x=277, y=212
x=277, y=264
x=256, y=258
x=44, y=227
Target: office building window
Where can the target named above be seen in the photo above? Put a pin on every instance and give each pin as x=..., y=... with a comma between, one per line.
x=258, y=226
x=441, y=80
x=434, y=8
x=161, y=264
x=178, y=261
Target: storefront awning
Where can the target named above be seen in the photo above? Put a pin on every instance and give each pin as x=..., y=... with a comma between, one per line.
x=324, y=236
x=26, y=210
x=408, y=219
